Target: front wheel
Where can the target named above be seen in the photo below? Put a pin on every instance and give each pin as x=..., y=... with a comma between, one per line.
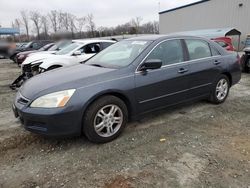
x=105, y=119
x=220, y=90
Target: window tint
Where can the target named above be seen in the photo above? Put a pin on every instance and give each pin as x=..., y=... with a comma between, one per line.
x=168, y=52
x=106, y=44
x=35, y=45
x=91, y=48
x=214, y=51
x=222, y=44
x=198, y=49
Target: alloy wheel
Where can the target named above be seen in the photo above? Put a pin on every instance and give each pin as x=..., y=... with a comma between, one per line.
x=108, y=120
x=222, y=89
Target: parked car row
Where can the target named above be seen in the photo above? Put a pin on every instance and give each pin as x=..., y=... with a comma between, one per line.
x=61, y=54
x=125, y=80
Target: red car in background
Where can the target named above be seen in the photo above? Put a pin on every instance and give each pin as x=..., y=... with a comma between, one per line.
x=225, y=42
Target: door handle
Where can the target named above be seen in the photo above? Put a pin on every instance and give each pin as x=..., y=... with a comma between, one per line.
x=216, y=62
x=182, y=70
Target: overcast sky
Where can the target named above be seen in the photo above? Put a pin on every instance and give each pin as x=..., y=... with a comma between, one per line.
x=106, y=12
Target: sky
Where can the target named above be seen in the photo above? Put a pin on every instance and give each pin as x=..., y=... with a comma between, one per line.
x=106, y=12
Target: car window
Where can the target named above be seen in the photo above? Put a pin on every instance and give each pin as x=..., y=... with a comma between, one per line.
x=68, y=49
x=214, y=51
x=91, y=48
x=119, y=54
x=106, y=44
x=168, y=52
x=35, y=45
x=222, y=44
x=197, y=49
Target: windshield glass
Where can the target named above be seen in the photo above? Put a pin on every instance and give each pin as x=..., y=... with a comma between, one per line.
x=248, y=42
x=68, y=49
x=26, y=45
x=44, y=48
x=60, y=45
x=119, y=55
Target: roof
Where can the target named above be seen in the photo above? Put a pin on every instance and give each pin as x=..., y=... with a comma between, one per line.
x=9, y=31
x=212, y=33
x=147, y=37
x=184, y=6
x=91, y=40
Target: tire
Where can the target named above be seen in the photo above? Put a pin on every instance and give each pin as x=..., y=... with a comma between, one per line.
x=247, y=66
x=97, y=124
x=243, y=62
x=217, y=98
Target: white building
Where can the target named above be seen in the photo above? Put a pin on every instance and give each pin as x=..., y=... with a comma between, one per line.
x=208, y=14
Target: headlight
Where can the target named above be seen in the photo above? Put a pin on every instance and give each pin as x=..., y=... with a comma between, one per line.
x=53, y=100
x=20, y=57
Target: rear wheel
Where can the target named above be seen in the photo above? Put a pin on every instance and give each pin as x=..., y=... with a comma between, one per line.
x=220, y=90
x=105, y=119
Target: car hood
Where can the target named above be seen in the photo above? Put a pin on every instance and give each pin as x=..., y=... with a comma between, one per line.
x=27, y=52
x=64, y=78
x=36, y=57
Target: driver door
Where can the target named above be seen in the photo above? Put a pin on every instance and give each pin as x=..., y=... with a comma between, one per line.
x=165, y=86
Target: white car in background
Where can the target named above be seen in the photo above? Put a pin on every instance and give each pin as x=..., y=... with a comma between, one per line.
x=77, y=52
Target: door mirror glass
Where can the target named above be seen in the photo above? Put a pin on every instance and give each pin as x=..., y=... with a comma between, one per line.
x=151, y=64
x=77, y=52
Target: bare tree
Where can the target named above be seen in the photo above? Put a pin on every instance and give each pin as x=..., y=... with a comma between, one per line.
x=72, y=25
x=36, y=18
x=25, y=20
x=135, y=22
x=45, y=25
x=66, y=20
x=91, y=24
x=80, y=23
x=53, y=16
x=156, y=27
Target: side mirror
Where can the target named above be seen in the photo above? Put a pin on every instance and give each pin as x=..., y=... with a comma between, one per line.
x=77, y=52
x=151, y=64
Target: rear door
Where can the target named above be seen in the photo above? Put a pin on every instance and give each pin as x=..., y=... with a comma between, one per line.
x=165, y=86
x=205, y=66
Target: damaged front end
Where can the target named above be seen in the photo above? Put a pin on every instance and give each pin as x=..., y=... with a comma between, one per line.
x=28, y=71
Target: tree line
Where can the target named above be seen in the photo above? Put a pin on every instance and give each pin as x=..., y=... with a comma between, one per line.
x=57, y=24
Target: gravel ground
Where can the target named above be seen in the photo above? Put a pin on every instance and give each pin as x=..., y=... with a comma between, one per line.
x=196, y=145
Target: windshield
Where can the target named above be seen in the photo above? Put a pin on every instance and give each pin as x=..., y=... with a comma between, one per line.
x=59, y=45
x=68, y=49
x=44, y=48
x=248, y=42
x=27, y=45
x=119, y=55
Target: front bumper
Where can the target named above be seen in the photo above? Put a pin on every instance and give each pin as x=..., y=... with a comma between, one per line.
x=49, y=122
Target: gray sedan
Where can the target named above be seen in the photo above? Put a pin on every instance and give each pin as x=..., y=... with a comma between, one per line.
x=125, y=81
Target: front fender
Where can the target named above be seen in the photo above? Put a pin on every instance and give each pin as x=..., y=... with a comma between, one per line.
x=46, y=65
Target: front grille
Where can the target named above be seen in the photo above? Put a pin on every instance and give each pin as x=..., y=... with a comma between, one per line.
x=27, y=68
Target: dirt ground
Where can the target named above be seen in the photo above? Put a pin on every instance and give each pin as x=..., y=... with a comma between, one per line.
x=196, y=145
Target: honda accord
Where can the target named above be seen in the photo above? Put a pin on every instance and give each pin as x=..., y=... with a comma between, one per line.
x=123, y=82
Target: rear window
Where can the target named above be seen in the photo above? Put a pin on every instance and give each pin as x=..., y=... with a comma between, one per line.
x=198, y=49
x=214, y=51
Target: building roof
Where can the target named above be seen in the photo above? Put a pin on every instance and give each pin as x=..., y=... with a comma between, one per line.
x=212, y=33
x=9, y=31
x=184, y=6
